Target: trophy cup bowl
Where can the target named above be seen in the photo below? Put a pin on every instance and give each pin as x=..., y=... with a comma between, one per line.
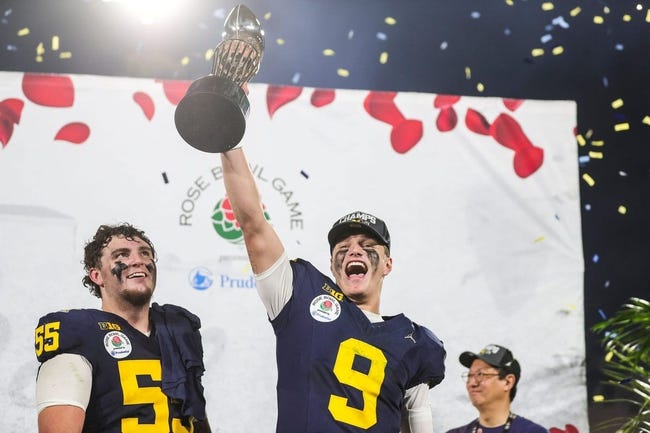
x=211, y=117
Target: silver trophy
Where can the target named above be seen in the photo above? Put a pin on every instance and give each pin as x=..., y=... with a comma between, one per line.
x=212, y=115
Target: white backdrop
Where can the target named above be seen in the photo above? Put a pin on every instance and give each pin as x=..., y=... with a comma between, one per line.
x=482, y=254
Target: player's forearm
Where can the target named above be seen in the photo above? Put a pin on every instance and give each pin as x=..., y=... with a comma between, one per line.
x=241, y=188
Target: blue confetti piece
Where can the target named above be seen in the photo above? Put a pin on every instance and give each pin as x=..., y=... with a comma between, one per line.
x=444, y=45
x=350, y=34
x=584, y=159
x=476, y=15
x=305, y=175
x=622, y=173
x=606, y=284
x=12, y=48
x=296, y=78
x=587, y=207
x=546, y=38
x=8, y=12
x=548, y=28
x=381, y=36
x=595, y=258
x=559, y=21
x=618, y=47
x=220, y=14
x=602, y=314
x=605, y=82
x=507, y=31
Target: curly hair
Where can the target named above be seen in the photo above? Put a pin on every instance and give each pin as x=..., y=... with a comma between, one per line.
x=94, y=247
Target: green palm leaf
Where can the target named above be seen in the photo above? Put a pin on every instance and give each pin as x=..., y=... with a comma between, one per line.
x=626, y=339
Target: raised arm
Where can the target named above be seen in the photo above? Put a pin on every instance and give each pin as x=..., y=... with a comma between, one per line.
x=262, y=242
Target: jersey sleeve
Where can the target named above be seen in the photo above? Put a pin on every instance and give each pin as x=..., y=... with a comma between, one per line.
x=59, y=332
x=429, y=355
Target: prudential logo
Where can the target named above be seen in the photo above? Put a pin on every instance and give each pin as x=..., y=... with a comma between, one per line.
x=225, y=223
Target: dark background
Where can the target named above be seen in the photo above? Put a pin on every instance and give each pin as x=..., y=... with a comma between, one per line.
x=435, y=46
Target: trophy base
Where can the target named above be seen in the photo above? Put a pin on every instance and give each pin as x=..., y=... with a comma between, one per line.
x=211, y=117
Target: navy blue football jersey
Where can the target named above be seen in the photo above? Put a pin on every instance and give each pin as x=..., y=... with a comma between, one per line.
x=126, y=395
x=337, y=371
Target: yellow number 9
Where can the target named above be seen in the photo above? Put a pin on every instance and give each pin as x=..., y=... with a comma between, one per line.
x=368, y=383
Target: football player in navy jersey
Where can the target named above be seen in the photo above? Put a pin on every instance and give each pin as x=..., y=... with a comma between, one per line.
x=129, y=367
x=342, y=367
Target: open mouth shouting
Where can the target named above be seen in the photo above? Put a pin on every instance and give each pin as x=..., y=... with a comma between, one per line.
x=356, y=269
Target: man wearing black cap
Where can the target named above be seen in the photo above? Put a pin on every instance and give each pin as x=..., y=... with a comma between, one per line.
x=342, y=367
x=491, y=383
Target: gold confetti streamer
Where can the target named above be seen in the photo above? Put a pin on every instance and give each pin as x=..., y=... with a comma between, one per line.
x=186, y=60
x=383, y=58
x=536, y=52
x=480, y=87
x=538, y=239
x=267, y=16
x=208, y=55
x=622, y=210
x=597, y=143
x=646, y=120
x=40, y=49
x=627, y=18
x=647, y=16
x=575, y=11
x=598, y=398
x=621, y=127
x=328, y=52
x=65, y=55
x=547, y=6
x=55, y=43
x=609, y=356
x=23, y=32
x=598, y=19
x=581, y=140
x=618, y=103
x=468, y=72
x=588, y=179
x=279, y=41
x=390, y=21
x=341, y=72
x=558, y=50
x=595, y=155
x=510, y=2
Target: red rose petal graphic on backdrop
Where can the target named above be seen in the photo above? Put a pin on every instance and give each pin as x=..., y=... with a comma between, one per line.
x=406, y=135
x=6, y=130
x=568, y=428
x=10, y=112
x=175, y=90
x=507, y=132
x=445, y=101
x=322, y=97
x=146, y=104
x=75, y=132
x=446, y=120
x=476, y=122
x=278, y=96
x=12, y=109
x=381, y=106
x=49, y=90
x=528, y=160
x=512, y=104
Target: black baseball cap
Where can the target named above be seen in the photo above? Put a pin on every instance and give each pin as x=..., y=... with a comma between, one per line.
x=495, y=355
x=358, y=222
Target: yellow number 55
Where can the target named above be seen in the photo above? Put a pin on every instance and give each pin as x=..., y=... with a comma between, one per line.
x=46, y=338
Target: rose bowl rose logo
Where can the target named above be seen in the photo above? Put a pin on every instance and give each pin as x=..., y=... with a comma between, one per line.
x=225, y=223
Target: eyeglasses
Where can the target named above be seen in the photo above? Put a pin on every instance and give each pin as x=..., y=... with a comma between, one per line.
x=479, y=376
